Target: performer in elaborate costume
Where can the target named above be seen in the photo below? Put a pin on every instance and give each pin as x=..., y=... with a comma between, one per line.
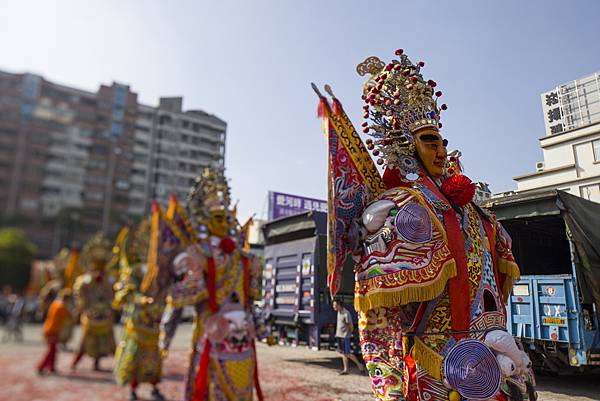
x=221, y=280
x=66, y=270
x=59, y=314
x=433, y=270
x=137, y=359
x=93, y=298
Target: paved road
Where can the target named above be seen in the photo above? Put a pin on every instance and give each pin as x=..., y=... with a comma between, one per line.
x=287, y=374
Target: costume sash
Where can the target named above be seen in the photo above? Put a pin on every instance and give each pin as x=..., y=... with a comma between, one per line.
x=201, y=386
x=458, y=286
x=259, y=392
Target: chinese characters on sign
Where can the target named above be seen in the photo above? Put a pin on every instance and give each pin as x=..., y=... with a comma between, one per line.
x=551, y=99
x=281, y=205
x=554, y=115
x=552, y=111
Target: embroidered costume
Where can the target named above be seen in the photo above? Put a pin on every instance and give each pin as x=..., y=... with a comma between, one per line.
x=432, y=270
x=66, y=269
x=221, y=281
x=58, y=316
x=138, y=359
x=93, y=297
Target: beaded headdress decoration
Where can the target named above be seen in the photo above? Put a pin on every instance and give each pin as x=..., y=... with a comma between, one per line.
x=209, y=193
x=399, y=102
x=98, y=248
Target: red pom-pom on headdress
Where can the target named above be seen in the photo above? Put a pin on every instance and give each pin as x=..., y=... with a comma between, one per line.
x=227, y=245
x=459, y=189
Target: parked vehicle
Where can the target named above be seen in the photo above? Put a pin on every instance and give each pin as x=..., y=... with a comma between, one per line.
x=554, y=307
x=297, y=304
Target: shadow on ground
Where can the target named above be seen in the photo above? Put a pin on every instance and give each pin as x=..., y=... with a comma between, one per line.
x=587, y=385
x=333, y=363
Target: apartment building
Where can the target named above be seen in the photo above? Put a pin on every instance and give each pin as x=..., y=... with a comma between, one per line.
x=186, y=142
x=75, y=162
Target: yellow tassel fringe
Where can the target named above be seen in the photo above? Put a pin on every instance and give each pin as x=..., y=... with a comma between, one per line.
x=512, y=272
x=406, y=294
x=427, y=359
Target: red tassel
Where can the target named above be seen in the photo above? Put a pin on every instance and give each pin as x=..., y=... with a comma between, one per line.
x=338, y=110
x=259, y=392
x=322, y=107
x=201, y=385
x=411, y=390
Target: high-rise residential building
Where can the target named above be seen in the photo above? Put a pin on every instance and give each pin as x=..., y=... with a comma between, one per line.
x=571, y=144
x=186, y=142
x=75, y=162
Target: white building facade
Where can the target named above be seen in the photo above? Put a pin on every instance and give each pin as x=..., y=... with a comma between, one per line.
x=571, y=146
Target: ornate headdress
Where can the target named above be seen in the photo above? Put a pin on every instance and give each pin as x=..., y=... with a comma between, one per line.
x=399, y=102
x=209, y=193
x=97, y=248
x=61, y=260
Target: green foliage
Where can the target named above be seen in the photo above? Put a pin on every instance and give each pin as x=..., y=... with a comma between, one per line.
x=16, y=255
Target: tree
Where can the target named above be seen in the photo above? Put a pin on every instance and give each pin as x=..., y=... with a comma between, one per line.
x=16, y=255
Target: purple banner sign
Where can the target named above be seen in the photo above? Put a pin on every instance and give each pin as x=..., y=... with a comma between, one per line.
x=281, y=205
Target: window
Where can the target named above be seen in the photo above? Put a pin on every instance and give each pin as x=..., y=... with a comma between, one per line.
x=120, y=93
x=118, y=113
x=590, y=192
x=596, y=146
x=116, y=129
x=122, y=184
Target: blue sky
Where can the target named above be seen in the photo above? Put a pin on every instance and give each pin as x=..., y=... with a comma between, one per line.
x=251, y=63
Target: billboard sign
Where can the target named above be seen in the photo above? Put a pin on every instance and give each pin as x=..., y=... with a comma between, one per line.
x=281, y=205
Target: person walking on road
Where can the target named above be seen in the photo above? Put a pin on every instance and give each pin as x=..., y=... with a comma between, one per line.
x=344, y=328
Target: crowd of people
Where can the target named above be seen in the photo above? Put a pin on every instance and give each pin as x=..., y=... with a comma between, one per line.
x=12, y=314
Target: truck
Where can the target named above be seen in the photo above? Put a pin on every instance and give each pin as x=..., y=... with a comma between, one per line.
x=554, y=306
x=297, y=304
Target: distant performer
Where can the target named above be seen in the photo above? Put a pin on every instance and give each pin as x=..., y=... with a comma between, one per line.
x=222, y=281
x=66, y=269
x=93, y=297
x=57, y=317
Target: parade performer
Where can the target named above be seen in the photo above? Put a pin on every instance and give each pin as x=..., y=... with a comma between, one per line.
x=221, y=280
x=433, y=270
x=59, y=315
x=93, y=297
x=65, y=271
x=137, y=359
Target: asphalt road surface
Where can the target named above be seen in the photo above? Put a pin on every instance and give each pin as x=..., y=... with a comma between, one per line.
x=286, y=374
